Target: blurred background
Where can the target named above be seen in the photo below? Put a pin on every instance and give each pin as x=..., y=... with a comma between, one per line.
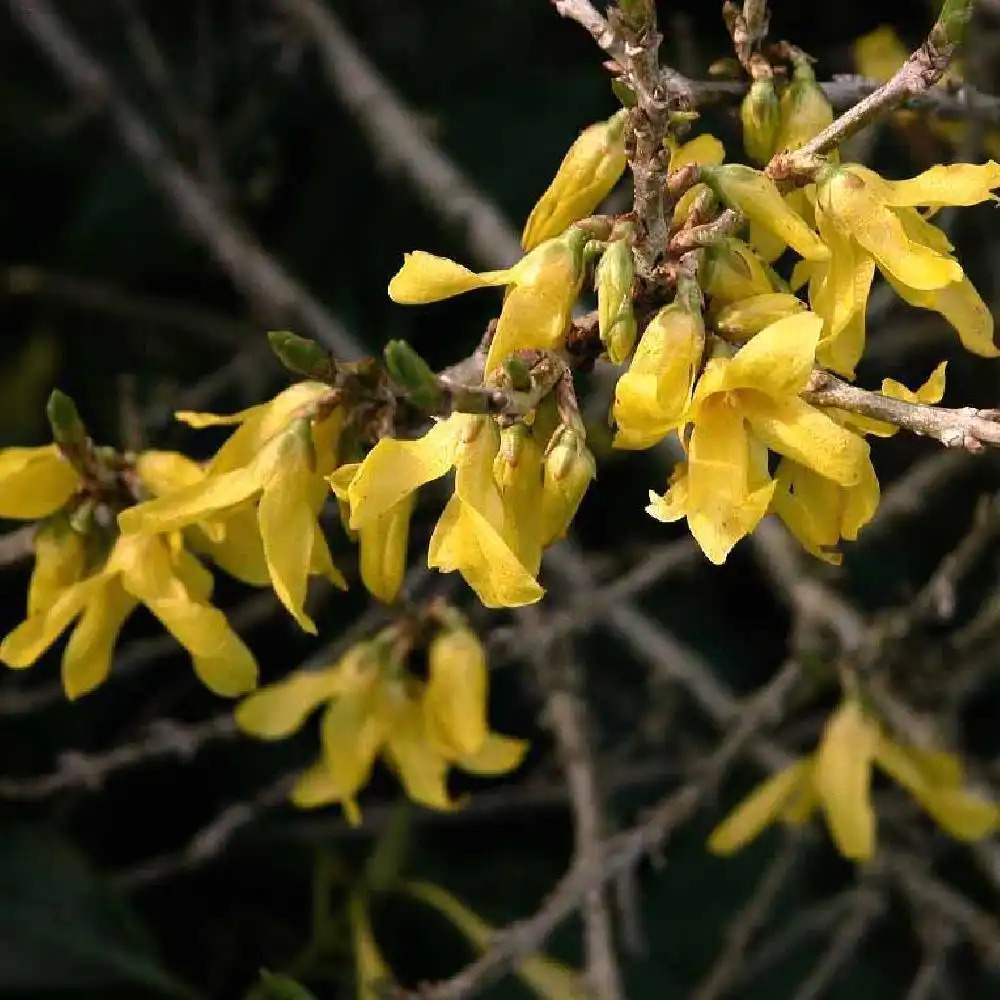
x=176, y=179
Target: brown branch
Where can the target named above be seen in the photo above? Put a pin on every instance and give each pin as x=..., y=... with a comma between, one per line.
x=258, y=275
x=566, y=715
x=621, y=852
x=968, y=427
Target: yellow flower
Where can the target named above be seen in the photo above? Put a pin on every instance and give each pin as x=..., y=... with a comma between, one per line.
x=371, y=708
x=544, y=284
x=568, y=471
x=724, y=488
x=652, y=397
x=732, y=272
x=60, y=561
x=140, y=569
x=589, y=170
x=477, y=534
x=742, y=319
x=878, y=219
x=277, y=460
x=837, y=778
x=755, y=195
x=35, y=482
x=455, y=698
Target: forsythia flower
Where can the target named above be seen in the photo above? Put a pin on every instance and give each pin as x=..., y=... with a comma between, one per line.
x=592, y=166
x=837, y=778
x=741, y=404
x=544, y=284
x=140, y=569
x=373, y=707
x=866, y=219
x=480, y=532
x=277, y=461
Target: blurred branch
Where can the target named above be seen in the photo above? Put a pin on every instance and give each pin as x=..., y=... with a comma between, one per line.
x=89, y=772
x=16, y=545
x=566, y=715
x=399, y=142
x=258, y=275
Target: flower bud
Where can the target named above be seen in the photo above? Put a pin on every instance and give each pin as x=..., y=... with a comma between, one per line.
x=760, y=114
x=301, y=355
x=616, y=320
x=569, y=467
x=68, y=429
x=741, y=320
x=454, y=702
x=414, y=374
x=513, y=440
x=805, y=111
x=589, y=170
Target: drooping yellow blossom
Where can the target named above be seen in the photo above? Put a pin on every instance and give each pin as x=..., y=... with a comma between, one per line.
x=276, y=461
x=652, y=397
x=879, y=219
x=35, y=482
x=741, y=404
x=755, y=195
x=591, y=167
x=545, y=977
x=544, y=284
x=837, y=778
x=477, y=534
x=372, y=707
x=140, y=569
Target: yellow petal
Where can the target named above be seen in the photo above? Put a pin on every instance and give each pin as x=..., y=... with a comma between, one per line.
x=34, y=482
x=931, y=391
x=758, y=810
x=60, y=561
x=536, y=311
x=87, y=659
x=421, y=769
x=239, y=549
x=199, y=502
x=732, y=271
x=589, y=170
x=848, y=201
x=165, y=472
x=777, y=361
x=721, y=507
x=281, y=709
x=288, y=529
x=756, y=196
x=497, y=755
x=961, y=305
x=704, y=150
x=383, y=544
x=748, y=317
x=353, y=731
x=946, y=184
x=792, y=427
x=860, y=502
x=316, y=787
x=427, y=278
x=842, y=777
x=455, y=697
x=394, y=469
x=879, y=54
x=27, y=642
x=811, y=507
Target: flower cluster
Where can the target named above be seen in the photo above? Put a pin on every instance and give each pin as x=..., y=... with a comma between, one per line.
x=374, y=704
x=837, y=779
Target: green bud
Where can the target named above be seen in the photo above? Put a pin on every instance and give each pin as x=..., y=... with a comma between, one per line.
x=518, y=373
x=301, y=355
x=68, y=429
x=624, y=93
x=760, y=114
x=616, y=319
x=512, y=443
x=414, y=374
x=568, y=469
x=805, y=111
